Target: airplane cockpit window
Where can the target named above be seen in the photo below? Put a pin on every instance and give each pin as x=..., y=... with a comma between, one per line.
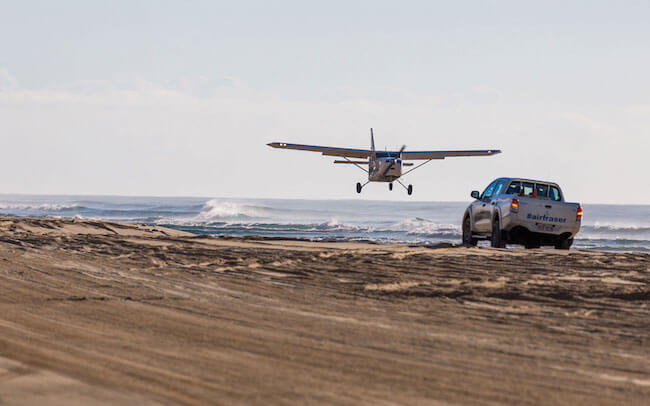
x=386, y=154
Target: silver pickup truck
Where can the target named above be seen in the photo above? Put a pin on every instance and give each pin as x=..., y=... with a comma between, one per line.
x=521, y=211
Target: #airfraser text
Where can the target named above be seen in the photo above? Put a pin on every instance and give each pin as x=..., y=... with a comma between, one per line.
x=546, y=218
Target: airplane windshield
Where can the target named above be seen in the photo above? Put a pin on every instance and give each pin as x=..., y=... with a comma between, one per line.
x=387, y=154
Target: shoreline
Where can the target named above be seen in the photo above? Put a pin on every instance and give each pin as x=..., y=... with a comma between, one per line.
x=615, y=229
x=98, y=312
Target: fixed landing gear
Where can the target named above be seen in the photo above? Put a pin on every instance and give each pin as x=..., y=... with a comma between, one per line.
x=409, y=188
x=360, y=186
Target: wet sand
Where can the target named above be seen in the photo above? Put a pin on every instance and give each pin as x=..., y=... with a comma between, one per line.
x=105, y=313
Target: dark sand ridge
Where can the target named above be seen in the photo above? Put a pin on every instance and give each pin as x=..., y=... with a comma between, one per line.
x=106, y=313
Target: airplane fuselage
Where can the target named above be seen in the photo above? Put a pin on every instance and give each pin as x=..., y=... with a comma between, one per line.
x=384, y=168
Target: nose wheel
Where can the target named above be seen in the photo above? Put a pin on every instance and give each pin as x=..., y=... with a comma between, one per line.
x=390, y=186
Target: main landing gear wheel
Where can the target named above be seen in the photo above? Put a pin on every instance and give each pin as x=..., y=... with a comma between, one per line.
x=390, y=186
x=358, y=187
x=409, y=190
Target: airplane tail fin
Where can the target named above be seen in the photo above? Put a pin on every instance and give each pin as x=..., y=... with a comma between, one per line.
x=372, y=141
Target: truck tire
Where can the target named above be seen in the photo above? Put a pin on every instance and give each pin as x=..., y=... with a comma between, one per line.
x=564, y=243
x=532, y=244
x=468, y=241
x=497, y=235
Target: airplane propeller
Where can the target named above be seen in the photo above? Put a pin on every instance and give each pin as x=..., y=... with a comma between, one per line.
x=393, y=162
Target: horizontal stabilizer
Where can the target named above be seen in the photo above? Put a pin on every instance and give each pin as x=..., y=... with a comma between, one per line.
x=352, y=162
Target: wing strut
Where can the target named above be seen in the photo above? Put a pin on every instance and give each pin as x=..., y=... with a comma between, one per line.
x=403, y=185
x=355, y=164
x=411, y=170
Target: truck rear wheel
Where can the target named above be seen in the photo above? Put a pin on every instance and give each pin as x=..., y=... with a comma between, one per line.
x=497, y=236
x=564, y=243
x=530, y=244
x=468, y=241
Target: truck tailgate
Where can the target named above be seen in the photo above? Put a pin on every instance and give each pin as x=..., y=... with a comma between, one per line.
x=547, y=216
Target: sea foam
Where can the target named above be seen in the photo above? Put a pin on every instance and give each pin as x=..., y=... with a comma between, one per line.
x=218, y=211
x=38, y=206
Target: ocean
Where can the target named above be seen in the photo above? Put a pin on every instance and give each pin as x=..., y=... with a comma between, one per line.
x=604, y=227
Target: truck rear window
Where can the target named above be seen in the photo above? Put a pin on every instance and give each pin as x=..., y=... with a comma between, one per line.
x=534, y=190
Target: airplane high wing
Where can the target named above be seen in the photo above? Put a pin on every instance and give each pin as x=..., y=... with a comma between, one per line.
x=366, y=153
x=445, y=154
x=383, y=166
x=330, y=151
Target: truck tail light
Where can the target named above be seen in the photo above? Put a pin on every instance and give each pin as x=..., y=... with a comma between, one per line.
x=579, y=214
x=514, y=205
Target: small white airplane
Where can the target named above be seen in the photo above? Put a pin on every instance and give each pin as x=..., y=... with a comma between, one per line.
x=383, y=166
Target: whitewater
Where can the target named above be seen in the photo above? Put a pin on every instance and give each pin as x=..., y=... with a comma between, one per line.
x=604, y=227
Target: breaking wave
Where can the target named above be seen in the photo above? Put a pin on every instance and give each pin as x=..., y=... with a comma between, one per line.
x=216, y=211
x=606, y=228
x=45, y=207
x=426, y=228
x=237, y=223
x=614, y=232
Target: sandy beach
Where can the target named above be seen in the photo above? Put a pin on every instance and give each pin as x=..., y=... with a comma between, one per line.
x=109, y=313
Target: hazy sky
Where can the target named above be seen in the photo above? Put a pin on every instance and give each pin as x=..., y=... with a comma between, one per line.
x=180, y=98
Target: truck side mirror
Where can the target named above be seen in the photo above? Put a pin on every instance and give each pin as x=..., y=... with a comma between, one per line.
x=475, y=194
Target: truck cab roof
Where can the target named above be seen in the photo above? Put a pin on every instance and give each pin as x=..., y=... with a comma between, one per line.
x=531, y=188
x=528, y=180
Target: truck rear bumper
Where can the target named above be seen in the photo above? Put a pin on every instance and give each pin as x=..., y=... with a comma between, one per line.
x=520, y=233
x=512, y=222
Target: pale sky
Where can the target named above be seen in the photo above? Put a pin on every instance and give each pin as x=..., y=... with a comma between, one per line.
x=180, y=98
